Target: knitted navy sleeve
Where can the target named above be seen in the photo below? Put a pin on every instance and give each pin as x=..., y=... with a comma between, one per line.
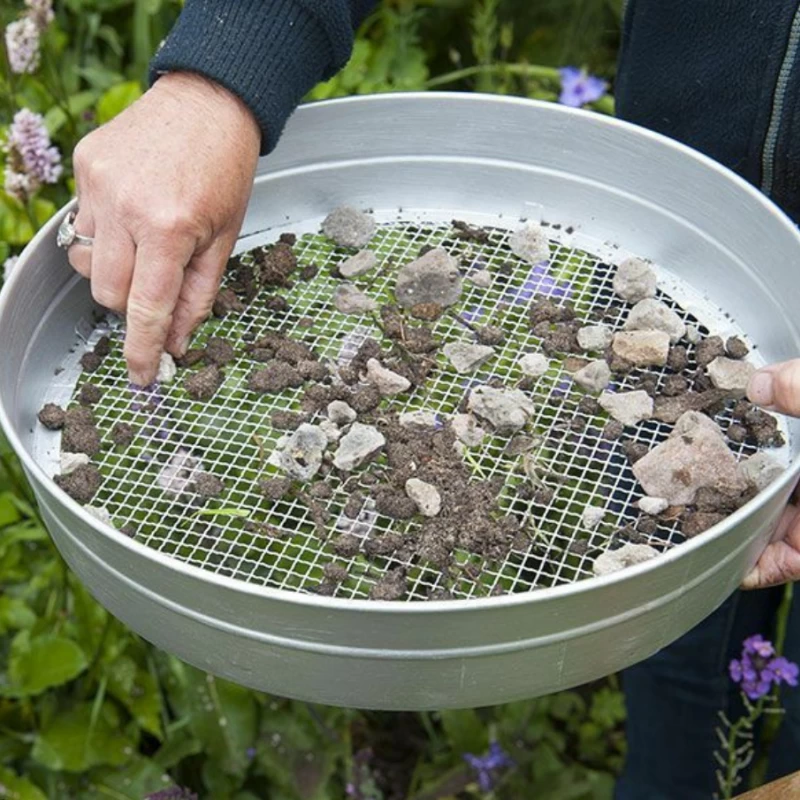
x=267, y=52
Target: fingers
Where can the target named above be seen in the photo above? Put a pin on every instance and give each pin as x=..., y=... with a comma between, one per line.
x=113, y=258
x=777, y=388
x=79, y=255
x=780, y=561
x=198, y=292
x=155, y=287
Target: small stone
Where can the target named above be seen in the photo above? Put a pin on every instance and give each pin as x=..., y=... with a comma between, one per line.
x=594, y=377
x=349, y=227
x=690, y=422
x=629, y=408
x=692, y=333
x=653, y=505
x=358, y=445
x=388, y=383
x=490, y=335
x=432, y=278
x=592, y=516
x=507, y=410
x=674, y=385
x=359, y=264
x=419, y=421
x=191, y=357
x=467, y=357
x=670, y=409
x=167, y=369
x=467, y=430
x=530, y=244
x=534, y=364
x=613, y=430
x=731, y=375
x=331, y=430
x=425, y=495
x=653, y=315
x=301, y=455
x=626, y=556
x=100, y=513
x=594, y=337
x=696, y=458
x=708, y=349
x=226, y=303
x=69, y=462
x=481, y=278
x=350, y=300
x=634, y=280
x=273, y=378
x=339, y=413
x=760, y=470
x=736, y=348
x=52, y=417
x=642, y=348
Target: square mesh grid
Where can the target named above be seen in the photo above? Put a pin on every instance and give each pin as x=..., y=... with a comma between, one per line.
x=233, y=438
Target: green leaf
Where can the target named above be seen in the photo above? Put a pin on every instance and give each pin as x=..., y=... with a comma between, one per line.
x=464, y=730
x=40, y=663
x=18, y=788
x=117, y=99
x=138, y=691
x=134, y=780
x=15, y=614
x=8, y=509
x=608, y=707
x=56, y=117
x=63, y=744
x=179, y=744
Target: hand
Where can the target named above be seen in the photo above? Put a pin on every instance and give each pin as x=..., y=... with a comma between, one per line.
x=777, y=388
x=163, y=189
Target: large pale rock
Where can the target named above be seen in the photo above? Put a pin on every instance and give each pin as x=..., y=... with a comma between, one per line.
x=653, y=315
x=467, y=357
x=730, y=375
x=360, y=443
x=359, y=264
x=642, y=348
x=629, y=408
x=349, y=227
x=760, y=470
x=350, y=300
x=432, y=278
x=530, y=243
x=594, y=377
x=626, y=556
x=301, y=453
x=594, y=337
x=506, y=410
x=534, y=365
x=634, y=280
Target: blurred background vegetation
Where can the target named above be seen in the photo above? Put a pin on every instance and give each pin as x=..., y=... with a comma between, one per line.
x=87, y=709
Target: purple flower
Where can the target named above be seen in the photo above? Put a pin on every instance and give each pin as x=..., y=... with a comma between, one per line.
x=22, y=45
x=31, y=160
x=41, y=12
x=172, y=793
x=539, y=281
x=579, y=88
x=757, y=671
x=250, y=753
x=486, y=767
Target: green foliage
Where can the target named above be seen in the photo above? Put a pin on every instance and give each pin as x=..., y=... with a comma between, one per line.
x=87, y=709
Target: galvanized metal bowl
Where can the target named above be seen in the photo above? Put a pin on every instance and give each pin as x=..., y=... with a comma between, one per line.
x=436, y=156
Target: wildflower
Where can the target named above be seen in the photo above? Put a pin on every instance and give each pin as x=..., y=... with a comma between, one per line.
x=172, y=793
x=32, y=160
x=579, y=88
x=488, y=766
x=41, y=12
x=8, y=265
x=539, y=281
x=22, y=45
x=758, y=669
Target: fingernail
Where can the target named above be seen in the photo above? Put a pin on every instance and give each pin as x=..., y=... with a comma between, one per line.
x=759, y=390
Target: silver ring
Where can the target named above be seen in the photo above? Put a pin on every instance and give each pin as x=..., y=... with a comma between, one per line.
x=67, y=235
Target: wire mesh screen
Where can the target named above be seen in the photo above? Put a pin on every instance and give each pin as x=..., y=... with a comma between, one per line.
x=245, y=536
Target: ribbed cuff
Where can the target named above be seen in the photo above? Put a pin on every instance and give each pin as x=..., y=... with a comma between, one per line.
x=269, y=53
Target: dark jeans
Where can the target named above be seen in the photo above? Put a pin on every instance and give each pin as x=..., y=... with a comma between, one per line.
x=723, y=76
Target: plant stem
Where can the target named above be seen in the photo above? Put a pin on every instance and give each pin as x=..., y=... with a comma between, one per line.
x=528, y=70
x=735, y=731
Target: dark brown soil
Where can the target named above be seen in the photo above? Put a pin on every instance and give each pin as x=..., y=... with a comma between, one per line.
x=697, y=522
x=191, y=357
x=208, y=485
x=613, y=430
x=277, y=303
x=429, y=312
x=346, y=545
x=274, y=488
x=309, y=273
x=469, y=233
x=79, y=416
x=80, y=435
x=227, y=303
x=391, y=586
x=737, y=433
x=288, y=238
x=122, y=434
x=274, y=378
x=203, y=385
x=320, y=490
x=648, y=384
x=490, y=335
x=635, y=450
x=708, y=349
x=103, y=346
x=312, y=370
x=589, y=406
x=89, y=394
x=52, y=417
x=384, y=545
x=763, y=428
x=283, y=348
x=352, y=508
x=287, y=420
x=646, y=525
x=736, y=348
x=415, y=339
x=674, y=385
x=364, y=399
x=275, y=264
x=669, y=409
x=678, y=358
x=91, y=361
x=547, y=311
x=617, y=364
x=219, y=351
x=394, y=503
x=723, y=501
x=81, y=484
x=563, y=338
x=336, y=573
x=129, y=530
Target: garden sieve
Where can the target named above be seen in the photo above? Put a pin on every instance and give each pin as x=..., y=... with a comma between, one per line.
x=244, y=607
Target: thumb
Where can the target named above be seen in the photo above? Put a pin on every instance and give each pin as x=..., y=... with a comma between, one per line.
x=777, y=388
